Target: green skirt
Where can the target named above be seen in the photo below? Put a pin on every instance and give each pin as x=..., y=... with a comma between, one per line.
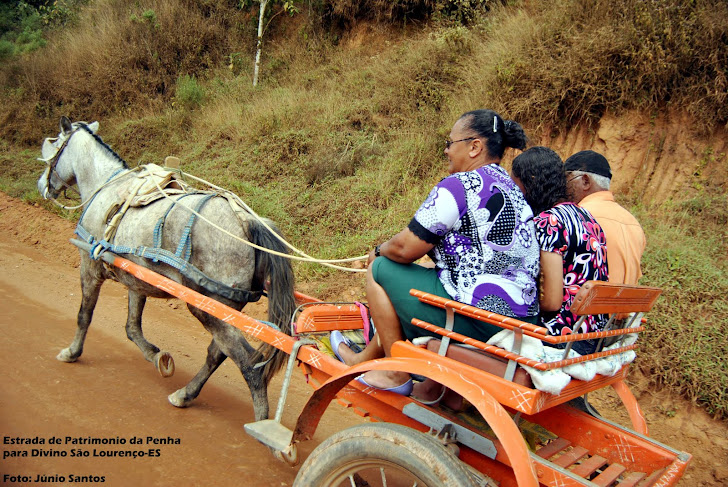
x=397, y=280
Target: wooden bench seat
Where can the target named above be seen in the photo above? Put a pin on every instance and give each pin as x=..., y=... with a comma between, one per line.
x=481, y=360
x=595, y=297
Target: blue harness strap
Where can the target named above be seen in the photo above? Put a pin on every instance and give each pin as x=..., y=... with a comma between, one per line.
x=178, y=260
x=159, y=227
x=184, y=247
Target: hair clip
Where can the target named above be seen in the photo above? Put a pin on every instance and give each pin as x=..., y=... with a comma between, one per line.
x=495, y=123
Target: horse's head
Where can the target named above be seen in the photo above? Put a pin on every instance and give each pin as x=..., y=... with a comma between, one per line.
x=59, y=173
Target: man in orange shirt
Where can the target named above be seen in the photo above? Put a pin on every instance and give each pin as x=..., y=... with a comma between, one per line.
x=588, y=176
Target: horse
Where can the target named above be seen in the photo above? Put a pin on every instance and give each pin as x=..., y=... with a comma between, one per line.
x=78, y=157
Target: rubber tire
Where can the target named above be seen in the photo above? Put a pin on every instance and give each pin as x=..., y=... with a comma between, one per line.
x=384, y=445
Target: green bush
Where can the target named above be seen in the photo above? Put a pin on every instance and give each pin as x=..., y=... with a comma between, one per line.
x=60, y=12
x=30, y=40
x=189, y=93
x=348, y=11
x=24, y=24
x=7, y=49
x=149, y=17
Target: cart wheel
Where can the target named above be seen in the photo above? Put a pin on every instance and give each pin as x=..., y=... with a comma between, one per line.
x=382, y=454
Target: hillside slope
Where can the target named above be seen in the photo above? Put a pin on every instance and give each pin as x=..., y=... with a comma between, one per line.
x=653, y=159
x=342, y=139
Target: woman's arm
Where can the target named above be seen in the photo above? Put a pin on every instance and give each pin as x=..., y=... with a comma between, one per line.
x=405, y=247
x=551, y=294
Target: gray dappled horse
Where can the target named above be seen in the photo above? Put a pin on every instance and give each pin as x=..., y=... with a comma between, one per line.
x=79, y=156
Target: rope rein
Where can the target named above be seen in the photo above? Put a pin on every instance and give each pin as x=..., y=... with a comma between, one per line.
x=302, y=256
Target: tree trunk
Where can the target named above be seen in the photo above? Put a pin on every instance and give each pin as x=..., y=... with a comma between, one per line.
x=263, y=5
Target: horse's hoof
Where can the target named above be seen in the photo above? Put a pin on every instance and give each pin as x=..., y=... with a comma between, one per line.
x=164, y=363
x=177, y=399
x=65, y=356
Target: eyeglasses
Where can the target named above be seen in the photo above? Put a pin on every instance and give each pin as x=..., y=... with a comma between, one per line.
x=575, y=177
x=449, y=142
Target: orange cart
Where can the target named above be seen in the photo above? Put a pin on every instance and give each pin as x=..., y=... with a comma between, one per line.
x=511, y=434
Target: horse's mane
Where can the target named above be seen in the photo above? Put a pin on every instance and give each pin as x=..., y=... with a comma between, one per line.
x=104, y=144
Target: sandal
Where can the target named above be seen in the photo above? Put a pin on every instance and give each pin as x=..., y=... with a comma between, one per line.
x=336, y=339
x=402, y=389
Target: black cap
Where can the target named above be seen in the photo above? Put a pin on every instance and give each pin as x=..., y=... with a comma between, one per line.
x=589, y=161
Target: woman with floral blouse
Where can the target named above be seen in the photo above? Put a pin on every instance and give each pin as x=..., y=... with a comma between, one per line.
x=573, y=246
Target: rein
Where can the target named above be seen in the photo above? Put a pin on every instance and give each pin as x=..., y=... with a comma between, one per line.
x=302, y=255
x=53, y=162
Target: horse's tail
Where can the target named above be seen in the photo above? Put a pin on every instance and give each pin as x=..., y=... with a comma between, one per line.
x=278, y=272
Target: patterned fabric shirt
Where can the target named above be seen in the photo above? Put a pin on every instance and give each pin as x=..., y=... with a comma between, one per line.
x=573, y=233
x=486, y=252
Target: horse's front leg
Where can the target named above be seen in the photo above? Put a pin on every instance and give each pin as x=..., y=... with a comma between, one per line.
x=183, y=397
x=90, y=287
x=162, y=360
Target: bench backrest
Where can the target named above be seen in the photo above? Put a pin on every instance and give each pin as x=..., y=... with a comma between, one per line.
x=599, y=297
x=323, y=317
x=594, y=297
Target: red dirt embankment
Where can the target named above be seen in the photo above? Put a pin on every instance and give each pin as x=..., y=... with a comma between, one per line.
x=653, y=158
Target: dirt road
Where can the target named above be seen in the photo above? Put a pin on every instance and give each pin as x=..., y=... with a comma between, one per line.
x=111, y=394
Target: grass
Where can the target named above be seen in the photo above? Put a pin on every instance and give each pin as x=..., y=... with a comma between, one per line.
x=340, y=142
x=686, y=347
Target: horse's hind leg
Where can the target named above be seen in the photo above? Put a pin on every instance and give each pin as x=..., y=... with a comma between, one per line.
x=258, y=389
x=162, y=360
x=183, y=397
x=90, y=287
x=233, y=344
x=230, y=342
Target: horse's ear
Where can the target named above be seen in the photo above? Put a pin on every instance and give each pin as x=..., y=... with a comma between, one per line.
x=93, y=126
x=66, y=125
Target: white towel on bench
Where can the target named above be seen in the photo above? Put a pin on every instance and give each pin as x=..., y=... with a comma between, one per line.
x=553, y=381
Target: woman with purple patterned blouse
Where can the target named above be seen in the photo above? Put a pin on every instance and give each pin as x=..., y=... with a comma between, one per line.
x=573, y=246
x=478, y=230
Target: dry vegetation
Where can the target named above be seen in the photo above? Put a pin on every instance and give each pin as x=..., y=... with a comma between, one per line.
x=568, y=65
x=341, y=141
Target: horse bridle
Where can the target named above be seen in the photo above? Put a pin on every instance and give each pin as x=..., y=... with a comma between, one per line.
x=53, y=161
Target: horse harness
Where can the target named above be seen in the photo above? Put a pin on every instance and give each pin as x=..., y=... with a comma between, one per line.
x=144, y=193
x=53, y=161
